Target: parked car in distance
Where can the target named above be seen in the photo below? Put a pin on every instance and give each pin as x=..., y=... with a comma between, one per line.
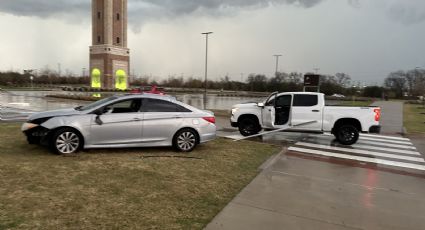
x=137, y=120
x=292, y=109
x=338, y=95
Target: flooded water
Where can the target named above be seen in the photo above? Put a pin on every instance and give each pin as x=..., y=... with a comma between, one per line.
x=13, y=102
x=22, y=103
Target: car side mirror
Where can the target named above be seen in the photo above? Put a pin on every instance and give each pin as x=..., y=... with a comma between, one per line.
x=102, y=111
x=98, y=112
x=261, y=104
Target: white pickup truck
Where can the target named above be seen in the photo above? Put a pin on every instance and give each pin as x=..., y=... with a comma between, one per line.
x=305, y=112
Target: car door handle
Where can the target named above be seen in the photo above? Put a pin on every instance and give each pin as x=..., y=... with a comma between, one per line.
x=315, y=110
x=177, y=116
x=136, y=119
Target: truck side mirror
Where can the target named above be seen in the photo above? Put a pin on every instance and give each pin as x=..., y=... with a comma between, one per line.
x=261, y=104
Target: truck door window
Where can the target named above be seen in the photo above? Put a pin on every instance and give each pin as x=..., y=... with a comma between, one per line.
x=283, y=101
x=270, y=102
x=283, y=109
x=305, y=100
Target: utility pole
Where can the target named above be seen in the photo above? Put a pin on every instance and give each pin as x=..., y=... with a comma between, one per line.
x=84, y=72
x=206, y=68
x=316, y=70
x=277, y=62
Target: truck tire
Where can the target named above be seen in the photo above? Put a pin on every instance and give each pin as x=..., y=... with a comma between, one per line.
x=248, y=126
x=347, y=134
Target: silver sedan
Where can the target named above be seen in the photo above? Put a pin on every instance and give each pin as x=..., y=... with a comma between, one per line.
x=142, y=120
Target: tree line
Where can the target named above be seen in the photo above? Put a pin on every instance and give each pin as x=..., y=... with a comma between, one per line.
x=398, y=84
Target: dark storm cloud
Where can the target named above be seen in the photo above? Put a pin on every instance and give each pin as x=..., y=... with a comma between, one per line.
x=43, y=8
x=140, y=8
x=406, y=12
x=410, y=12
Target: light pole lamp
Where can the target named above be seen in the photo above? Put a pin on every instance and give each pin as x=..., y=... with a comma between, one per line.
x=206, y=68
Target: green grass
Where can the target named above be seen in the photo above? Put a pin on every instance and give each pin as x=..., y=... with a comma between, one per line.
x=413, y=119
x=355, y=103
x=140, y=188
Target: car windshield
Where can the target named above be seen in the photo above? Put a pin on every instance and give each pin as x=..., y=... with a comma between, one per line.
x=95, y=104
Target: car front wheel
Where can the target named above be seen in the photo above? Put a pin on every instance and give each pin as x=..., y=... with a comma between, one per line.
x=185, y=140
x=66, y=141
x=347, y=134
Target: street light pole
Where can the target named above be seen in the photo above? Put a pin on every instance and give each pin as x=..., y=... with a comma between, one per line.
x=206, y=68
x=277, y=62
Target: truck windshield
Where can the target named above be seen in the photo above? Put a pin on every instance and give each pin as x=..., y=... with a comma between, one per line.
x=95, y=104
x=270, y=99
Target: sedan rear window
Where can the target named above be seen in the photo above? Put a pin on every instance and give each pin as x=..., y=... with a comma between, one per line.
x=305, y=100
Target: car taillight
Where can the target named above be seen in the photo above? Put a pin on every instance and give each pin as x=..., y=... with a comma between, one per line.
x=377, y=114
x=209, y=119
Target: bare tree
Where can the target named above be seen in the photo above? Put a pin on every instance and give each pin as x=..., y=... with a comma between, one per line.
x=396, y=82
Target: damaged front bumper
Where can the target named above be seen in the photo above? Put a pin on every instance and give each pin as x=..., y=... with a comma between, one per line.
x=35, y=134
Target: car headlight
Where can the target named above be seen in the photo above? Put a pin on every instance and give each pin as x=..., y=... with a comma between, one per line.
x=28, y=126
x=234, y=110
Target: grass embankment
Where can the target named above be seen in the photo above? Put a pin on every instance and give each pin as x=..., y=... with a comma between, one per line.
x=414, y=118
x=355, y=103
x=124, y=188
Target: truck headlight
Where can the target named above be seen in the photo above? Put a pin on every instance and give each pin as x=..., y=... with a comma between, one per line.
x=28, y=126
x=234, y=110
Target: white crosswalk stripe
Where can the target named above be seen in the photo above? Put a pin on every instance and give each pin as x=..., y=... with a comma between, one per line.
x=379, y=149
x=360, y=158
x=401, y=155
x=359, y=151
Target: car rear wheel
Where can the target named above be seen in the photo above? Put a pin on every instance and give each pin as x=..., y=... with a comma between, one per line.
x=185, y=140
x=347, y=134
x=66, y=141
x=248, y=127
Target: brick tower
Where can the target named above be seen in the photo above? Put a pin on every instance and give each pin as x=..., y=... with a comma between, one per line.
x=109, y=55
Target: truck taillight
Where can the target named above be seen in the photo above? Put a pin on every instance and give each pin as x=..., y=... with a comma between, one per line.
x=377, y=114
x=209, y=119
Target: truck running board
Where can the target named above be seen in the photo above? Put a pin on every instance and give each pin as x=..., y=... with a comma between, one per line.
x=277, y=130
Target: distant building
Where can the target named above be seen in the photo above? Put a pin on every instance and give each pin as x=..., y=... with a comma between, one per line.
x=109, y=55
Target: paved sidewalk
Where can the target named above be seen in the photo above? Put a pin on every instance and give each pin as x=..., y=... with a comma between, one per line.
x=297, y=193
x=392, y=116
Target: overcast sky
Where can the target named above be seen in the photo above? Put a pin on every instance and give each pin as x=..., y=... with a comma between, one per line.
x=365, y=38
